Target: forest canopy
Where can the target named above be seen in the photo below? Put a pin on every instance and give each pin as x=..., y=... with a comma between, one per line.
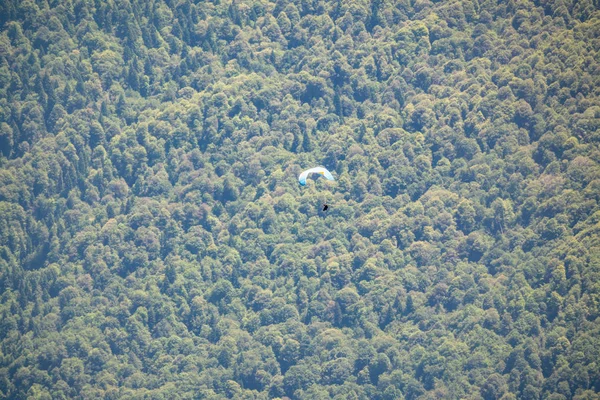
x=155, y=242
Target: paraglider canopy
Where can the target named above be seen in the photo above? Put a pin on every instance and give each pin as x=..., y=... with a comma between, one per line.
x=317, y=170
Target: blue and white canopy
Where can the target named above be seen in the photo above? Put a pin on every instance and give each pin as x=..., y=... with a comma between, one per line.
x=317, y=170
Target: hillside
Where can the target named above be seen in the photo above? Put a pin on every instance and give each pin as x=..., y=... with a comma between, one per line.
x=155, y=242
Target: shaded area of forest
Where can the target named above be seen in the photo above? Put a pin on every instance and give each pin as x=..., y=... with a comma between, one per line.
x=155, y=243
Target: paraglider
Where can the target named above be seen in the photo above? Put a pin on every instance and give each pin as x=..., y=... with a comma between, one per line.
x=320, y=171
x=317, y=170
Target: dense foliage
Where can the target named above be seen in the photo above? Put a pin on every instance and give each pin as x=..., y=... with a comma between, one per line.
x=155, y=243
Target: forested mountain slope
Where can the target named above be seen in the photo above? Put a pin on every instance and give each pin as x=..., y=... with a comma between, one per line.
x=155, y=243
